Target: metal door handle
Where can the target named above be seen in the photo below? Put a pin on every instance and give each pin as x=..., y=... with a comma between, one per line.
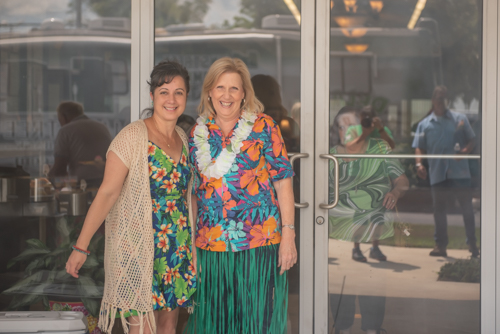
x=336, y=200
x=293, y=157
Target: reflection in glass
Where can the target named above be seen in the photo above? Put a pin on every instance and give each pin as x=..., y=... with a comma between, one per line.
x=411, y=49
x=51, y=163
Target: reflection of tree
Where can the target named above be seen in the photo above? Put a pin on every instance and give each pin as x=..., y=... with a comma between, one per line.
x=166, y=11
x=460, y=31
x=255, y=10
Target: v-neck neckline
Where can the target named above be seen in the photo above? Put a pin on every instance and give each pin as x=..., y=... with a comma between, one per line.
x=168, y=155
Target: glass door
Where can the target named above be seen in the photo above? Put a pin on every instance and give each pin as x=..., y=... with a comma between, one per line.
x=398, y=166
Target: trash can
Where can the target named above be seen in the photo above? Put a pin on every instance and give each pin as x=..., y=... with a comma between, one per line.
x=46, y=322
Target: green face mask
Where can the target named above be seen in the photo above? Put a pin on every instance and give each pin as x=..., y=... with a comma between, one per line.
x=352, y=133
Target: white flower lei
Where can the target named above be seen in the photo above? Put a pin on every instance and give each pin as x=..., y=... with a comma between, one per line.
x=220, y=166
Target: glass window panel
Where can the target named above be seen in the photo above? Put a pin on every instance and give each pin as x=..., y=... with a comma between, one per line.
x=266, y=36
x=51, y=52
x=410, y=287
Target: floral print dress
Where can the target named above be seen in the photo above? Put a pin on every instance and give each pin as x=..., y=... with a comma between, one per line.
x=174, y=279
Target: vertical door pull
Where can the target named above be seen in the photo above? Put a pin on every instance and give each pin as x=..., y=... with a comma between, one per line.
x=336, y=181
x=293, y=157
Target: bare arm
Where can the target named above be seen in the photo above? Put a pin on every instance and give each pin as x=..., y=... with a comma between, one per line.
x=287, y=251
x=400, y=186
x=114, y=176
x=469, y=147
x=377, y=122
x=421, y=171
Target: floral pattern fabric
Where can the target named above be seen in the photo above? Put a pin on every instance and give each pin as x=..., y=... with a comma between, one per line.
x=174, y=279
x=240, y=210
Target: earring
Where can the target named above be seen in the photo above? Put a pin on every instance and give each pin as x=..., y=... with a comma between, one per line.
x=208, y=98
x=243, y=101
x=152, y=103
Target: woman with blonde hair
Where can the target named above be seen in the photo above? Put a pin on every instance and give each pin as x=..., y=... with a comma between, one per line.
x=245, y=234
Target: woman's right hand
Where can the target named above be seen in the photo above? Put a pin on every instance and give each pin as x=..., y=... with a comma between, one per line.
x=75, y=262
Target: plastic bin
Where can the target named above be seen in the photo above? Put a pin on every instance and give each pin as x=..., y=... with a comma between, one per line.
x=46, y=322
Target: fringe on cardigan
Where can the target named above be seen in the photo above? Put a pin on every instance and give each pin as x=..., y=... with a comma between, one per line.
x=107, y=318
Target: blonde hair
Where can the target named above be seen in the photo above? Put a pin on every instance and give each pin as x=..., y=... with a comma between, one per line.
x=228, y=65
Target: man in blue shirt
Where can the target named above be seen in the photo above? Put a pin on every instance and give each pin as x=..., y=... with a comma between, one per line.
x=446, y=132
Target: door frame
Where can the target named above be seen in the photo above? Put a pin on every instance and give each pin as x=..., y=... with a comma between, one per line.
x=490, y=167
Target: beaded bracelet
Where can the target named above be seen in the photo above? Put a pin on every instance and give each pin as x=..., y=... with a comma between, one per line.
x=80, y=250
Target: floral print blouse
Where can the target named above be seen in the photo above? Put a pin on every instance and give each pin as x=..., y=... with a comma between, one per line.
x=240, y=210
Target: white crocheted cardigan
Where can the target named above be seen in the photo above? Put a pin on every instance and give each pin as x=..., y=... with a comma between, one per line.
x=129, y=251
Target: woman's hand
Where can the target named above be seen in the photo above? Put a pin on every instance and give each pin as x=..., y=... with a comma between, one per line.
x=390, y=199
x=75, y=262
x=287, y=252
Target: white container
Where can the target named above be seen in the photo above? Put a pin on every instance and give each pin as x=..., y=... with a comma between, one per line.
x=46, y=322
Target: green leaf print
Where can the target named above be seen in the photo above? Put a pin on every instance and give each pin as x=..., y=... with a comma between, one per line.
x=161, y=265
x=180, y=287
x=163, y=160
x=175, y=215
x=182, y=236
x=190, y=292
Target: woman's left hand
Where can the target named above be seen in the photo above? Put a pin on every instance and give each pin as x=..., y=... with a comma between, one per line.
x=287, y=252
x=390, y=200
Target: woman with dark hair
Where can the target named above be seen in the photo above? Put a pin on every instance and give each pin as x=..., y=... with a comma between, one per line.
x=368, y=187
x=245, y=234
x=149, y=269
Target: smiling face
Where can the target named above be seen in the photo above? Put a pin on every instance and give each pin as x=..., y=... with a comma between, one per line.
x=227, y=95
x=169, y=99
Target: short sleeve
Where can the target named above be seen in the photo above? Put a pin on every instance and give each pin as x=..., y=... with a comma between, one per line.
x=394, y=167
x=419, y=140
x=124, y=143
x=275, y=152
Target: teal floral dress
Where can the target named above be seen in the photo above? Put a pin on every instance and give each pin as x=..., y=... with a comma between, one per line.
x=174, y=279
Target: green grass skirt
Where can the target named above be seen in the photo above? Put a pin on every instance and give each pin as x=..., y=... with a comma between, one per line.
x=234, y=289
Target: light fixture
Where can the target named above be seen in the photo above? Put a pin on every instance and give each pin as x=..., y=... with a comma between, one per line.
x=353, y=32
x=356, y=48
x=295, y=12
x=377, y=5
x=350, y=6
x=350, y=21
x=416, y=13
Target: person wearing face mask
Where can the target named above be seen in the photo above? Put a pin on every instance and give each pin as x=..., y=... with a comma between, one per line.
x=149, y=264
x=368, y=187
x=245, y=234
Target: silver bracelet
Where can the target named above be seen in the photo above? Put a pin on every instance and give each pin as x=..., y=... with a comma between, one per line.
x=291, y=227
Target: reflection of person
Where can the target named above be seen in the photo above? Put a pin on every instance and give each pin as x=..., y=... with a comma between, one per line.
x=81, y=145
x=245, y=220
x=372, y=310
x=447, y=132
x=379, y=130
x=267, y=90
x=368, y=188
x=148, y=260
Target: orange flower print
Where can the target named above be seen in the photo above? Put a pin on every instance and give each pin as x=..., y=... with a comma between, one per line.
x=169, y=185
x=152, y=168
x=165, y=230
x=179, y=254
x=183, y=160
x=206, y=239
x=277, y=139
x=175, y=176
x=210, y=186
x=182, y=221
x=228, y=203
x=191, y=268
x=156, y=206
x=163, y=244
x=251, y=178
x=160, y=174
x=151, y=149
x=264, y=235
x=262, y=122
x=253, y=148
x=182, y=300
x=188, y=278
x=158, y=300
x=171, y=206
